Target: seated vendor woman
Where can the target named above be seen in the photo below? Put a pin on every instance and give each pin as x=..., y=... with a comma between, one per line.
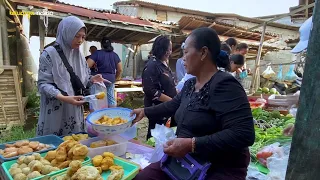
x=212, y=112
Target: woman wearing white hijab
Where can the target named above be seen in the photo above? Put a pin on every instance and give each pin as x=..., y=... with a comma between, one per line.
x=63, y=114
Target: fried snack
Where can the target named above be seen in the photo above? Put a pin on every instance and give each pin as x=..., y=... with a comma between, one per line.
x=26, y=170
x=45, y=162
x=75, y=165
x=32, y=163
x=23, y=166
x=106, y=163
x=9, y=145
x=37, y=166
x=61, y=154
x=14, y=171
x=21, y=143
x=1, y=151
x=117, y=173
x=99, y=169
x=108, y=154
x=33, y=175
x=96, y=161
x=28, y=159
x=46, y=169
x=20, y=176
x=10, y=154
x=54, y=169
x=51, y=155
x=55, y=163
x=72, y=144
x=105, y=120
x=34, y=144
x=25, y=150
x=66, y=138
x=80, y=158
x=86, y=173
x=110, y=142
x=15, y=165
x=21, y=159
x=37, y=156
x=10, y=149
x=101, y=95
x=96, y=144
x=80, y=150
x=64, y=164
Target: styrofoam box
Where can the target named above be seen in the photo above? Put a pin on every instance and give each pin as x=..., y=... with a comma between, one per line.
x=118, y=149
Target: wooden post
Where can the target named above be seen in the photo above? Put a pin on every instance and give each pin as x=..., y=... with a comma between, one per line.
x=134, y=71
x=1, y=50
x=305, y=147
x=4, y=34
x=256, y=74
x=41, y=34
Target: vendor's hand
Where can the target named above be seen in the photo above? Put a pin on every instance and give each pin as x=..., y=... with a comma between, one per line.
x=74, y=100
x=288, y=131
x=178, y=147
x=139, y=114
x=99, y=78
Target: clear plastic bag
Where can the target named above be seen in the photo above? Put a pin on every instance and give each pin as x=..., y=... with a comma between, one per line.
x=269, y=151
x=97, y=104
x=161, y=135
x=277, y=164
x=254, y=174
x=268, y=73
x=291, y=76
x=279, y=75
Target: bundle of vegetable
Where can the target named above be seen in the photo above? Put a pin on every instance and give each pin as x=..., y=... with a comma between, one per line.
x=269, y=127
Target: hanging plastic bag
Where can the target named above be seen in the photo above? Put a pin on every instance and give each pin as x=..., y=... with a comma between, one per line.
x=279, y=76
x=161, y=135
x=268, y=73
x=97, y=104
x=291, y=76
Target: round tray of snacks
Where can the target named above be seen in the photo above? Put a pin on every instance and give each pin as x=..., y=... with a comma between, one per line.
x=110, y=121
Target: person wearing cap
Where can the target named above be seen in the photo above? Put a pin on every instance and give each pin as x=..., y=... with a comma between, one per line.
x=180, y=69
x=304, y=31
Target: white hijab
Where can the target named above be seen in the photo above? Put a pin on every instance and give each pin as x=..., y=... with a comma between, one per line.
x=67, y=29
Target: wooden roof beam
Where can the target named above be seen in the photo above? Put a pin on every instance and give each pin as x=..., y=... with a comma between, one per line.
x=91, y=30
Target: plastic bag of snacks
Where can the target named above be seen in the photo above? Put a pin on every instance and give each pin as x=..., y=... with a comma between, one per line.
x=97, y=104
x=268, y=73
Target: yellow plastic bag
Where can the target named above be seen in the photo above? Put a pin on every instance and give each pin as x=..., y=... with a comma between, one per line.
x=268, y=73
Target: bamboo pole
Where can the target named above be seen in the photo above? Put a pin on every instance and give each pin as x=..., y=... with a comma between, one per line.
x=4, y=34
x=256, y=74
x=134, y=70
x=305, y=147
x=1, y=50
x=41, y=34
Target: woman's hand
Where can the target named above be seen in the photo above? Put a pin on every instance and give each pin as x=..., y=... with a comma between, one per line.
x=99, y=78
x=288, y=131
x=139, y=114
x=178, y=147
x=74, y=100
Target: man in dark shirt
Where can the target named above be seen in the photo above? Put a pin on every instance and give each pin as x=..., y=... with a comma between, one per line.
x=91, y=50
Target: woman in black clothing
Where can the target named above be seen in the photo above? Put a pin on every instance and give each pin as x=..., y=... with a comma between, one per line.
x=158, y=80
x=212, y=112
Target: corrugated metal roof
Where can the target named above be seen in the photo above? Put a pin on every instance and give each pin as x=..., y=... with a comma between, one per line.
x=201, y=13
x=84, y=12
x=90, y=8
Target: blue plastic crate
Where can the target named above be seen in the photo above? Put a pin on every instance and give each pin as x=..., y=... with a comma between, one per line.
x=52, y=140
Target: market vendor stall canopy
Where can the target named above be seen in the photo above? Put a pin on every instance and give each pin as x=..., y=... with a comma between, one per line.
x=122, y=29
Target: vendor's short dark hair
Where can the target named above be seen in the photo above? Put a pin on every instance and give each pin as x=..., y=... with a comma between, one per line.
x=225, y=47
x=231, y=41
x=237, y=59
x=160, y=46
x=242, y=46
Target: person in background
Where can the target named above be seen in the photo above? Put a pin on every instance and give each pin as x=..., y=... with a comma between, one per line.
x=158, y=80
x=180, y=69
x=92, y=49
x=236, y=66
x=224, y=46
x=232, y=42
x=109, y=65
x=61, y=110
x=242, y=49
x=214, y=118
